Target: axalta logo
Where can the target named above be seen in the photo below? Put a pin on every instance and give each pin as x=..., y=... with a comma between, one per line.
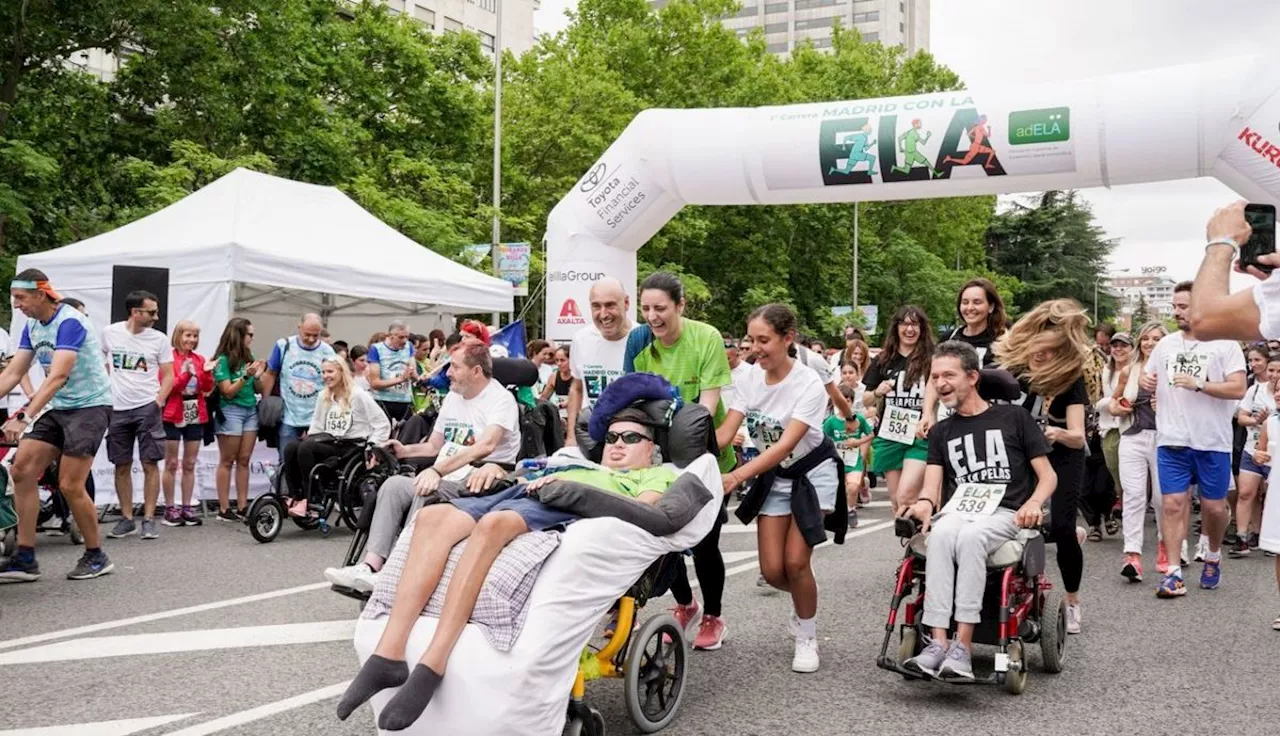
x=575, y=276
x=570, y=314
x=1263, y=147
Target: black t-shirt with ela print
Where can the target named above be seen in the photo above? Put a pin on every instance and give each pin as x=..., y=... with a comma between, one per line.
x=996, y=446
x=980, y=343
x=902, y=395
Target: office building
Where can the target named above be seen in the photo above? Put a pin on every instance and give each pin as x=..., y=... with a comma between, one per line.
x=1130, y=290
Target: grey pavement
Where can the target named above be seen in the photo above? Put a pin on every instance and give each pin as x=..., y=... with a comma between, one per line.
x=1143, y=665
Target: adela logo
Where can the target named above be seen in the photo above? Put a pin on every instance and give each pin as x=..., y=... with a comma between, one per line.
x=570, y=314
x=594, y=178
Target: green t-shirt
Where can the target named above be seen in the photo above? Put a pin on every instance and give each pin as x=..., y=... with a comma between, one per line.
x=222, y=372
x=695, y=363
x=836, y=428
x=629, y=483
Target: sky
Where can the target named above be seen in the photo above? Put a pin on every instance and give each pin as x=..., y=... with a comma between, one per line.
x=994, y=42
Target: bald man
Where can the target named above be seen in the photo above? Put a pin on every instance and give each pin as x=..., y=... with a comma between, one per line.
x=596, y=354
x=295, y=362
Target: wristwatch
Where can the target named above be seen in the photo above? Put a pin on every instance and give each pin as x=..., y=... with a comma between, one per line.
x=20, y=414
x=1199, y=384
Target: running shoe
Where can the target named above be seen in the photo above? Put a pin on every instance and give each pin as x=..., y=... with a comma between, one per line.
x=1112, y=525
x=1073, y=618
x=1132, y=567
x=149, y=529
x=190, y=517
x=172, y=516
x=1171, y=586
x=18, y=570
x=711, y=633
x=929, y=661
x=1162, y=558
x=686, y=615
x=761, y=582
x=1202, y=549
x=853, y=518
x=1182, y=558
x=1254, y=540
x=1211, y=574
x=806, y=656
x=1239, y=549
x=345, y=577
x=297, y=507
x=91, y=565
x=229, y=516
x=122, y=529
x=1095, y=534
x=958, y=665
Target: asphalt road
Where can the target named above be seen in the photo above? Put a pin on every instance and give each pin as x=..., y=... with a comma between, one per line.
x=205, y=631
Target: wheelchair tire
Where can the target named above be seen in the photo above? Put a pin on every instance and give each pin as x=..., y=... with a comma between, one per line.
x=266, y=518
x=1015, y=680
x=1053, y=632
x=310, y=523
x=654, y=671
x=578, y=728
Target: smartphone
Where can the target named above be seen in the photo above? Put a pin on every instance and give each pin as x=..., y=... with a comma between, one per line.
x=1262, y=218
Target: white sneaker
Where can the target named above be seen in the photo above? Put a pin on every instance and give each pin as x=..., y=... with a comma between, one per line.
x=806, y=659
x=345, y=577
x=1202, y=550
x=1073, y=618
x=365, y=580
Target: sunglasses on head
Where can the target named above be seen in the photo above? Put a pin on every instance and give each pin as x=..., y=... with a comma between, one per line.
x=629, y=438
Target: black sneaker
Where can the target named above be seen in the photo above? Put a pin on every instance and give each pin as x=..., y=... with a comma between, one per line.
x=229, y=516
x=18, y=571
x=1254, y=540
x=91, y=565
x=1112, y=525
x=1230, y=538
x=1240, y=549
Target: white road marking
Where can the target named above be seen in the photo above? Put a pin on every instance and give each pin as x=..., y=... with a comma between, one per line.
x=170, y=642
x=122, y=727
x=160, y=616
x=262, y=711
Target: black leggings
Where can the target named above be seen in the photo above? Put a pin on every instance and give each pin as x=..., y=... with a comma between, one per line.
x=708, y=562
x=1069, y=465
x=300, y=456
x=1099, y=495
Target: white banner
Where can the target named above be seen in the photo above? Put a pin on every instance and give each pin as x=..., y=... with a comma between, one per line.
x=260, y=468
x=569, y=284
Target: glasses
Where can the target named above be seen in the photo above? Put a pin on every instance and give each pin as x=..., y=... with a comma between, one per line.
x=628, y=438
x=730, y=345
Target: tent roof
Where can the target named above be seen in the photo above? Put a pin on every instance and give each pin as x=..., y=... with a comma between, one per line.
x=250, y=227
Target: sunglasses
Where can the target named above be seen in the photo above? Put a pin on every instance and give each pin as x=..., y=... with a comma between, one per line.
x=730, y=345
x=629, y=438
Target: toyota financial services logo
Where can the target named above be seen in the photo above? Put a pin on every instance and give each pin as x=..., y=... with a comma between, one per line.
x=594, y=178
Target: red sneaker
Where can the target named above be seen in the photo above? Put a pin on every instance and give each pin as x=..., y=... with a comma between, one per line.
x=686, y=615
x=1162, y=558
x=710, y=633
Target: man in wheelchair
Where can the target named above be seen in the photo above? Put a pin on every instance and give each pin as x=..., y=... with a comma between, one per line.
x=989, y=463
x=478, y=424
x=630, y=468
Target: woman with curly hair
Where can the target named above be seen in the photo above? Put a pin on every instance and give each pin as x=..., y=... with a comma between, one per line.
x=898, y=376
x=1047, y=350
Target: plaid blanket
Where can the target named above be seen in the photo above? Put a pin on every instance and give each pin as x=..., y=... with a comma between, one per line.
x=504, y=598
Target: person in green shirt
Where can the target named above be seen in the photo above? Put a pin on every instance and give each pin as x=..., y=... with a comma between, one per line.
x=691, y=356
x=237, y=375
x=850, y=436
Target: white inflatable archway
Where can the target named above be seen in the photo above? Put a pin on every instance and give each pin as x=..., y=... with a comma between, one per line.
x=1217, y=119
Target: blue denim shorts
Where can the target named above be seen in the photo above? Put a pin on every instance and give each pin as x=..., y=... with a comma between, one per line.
x=537, y=515
x=825, y=480
x=236, y=420
x=1247, y=465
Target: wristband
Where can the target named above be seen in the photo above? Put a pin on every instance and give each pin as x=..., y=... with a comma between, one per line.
x=1235, y=249
x=933, y=508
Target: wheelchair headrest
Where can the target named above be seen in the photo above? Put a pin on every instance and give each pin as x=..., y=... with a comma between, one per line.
x=684, y=435
x=517, y=372
x=997, y=384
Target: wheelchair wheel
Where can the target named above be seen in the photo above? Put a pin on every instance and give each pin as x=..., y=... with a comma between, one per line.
x=577, y=727
x=1015, y=680
x=311, y=522
x=1053, y=632
x=266, y=517
x=654, y=672
x=909, y=647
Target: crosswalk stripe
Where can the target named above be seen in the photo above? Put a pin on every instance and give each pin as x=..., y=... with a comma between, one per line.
x=122, y=727
x=263, y=711
x=170, y=642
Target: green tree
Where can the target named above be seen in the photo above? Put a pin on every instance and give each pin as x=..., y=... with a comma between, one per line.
x=1141, y=313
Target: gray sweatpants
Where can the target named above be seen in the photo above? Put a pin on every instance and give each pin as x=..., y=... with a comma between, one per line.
x=396, y=499
x=956, y=566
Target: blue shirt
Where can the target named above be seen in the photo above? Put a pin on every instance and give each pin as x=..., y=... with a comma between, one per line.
x=298, y=370
x=392, y=364
x=68, y=329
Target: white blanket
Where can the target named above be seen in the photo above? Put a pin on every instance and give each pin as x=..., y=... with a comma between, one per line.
x=526, y=691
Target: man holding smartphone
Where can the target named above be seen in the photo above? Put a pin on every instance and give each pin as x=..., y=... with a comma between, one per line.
x=1251, y=314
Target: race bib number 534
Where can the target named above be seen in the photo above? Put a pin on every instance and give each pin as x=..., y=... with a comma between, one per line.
x=899, y=425
x=975, y=500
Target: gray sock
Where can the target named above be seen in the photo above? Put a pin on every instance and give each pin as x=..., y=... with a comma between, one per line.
x=413, y=698
x=377, y=674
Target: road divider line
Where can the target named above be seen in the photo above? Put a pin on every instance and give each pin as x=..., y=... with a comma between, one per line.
x=122, y=727
x=755, y=563
x=263, y=711
x=160, y=616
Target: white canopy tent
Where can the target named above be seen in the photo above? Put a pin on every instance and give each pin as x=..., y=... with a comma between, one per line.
x=270, y=249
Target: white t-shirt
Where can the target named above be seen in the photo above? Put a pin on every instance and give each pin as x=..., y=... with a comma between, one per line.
x=545, y=372
x=463, y=421
x=1186, y=417
x=596, y=362
x=1257, y=398
x=728, y=394
x=15, y=399
x=816, y=363
x=1267, y=296
x=134, y=362
x=769, y=409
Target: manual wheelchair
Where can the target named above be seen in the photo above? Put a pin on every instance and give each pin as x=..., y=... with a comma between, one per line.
x=1019, y=608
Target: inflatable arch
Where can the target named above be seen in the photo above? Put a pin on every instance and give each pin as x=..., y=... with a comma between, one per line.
x=1215, y=119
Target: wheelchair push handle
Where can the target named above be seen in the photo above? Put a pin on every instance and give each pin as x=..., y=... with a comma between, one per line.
x=906, y=527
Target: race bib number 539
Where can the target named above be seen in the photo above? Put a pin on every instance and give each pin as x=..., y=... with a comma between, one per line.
x=899, y=425
x=975, y=500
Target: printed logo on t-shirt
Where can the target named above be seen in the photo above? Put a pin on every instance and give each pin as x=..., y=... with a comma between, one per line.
x=459, y=434
x=304, y=379
x=965, y=462
x=44, y=354
x=127, y=360
x=595, y=378
x=906, y=397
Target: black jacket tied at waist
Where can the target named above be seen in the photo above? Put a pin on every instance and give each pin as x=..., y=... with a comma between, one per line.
x=805, y=508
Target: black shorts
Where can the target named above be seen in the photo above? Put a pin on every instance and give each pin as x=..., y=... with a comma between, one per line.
x=144, y=425
x=76, y=432
x=189, y=433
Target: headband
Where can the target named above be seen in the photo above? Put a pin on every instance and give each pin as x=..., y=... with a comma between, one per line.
x=42, y=286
